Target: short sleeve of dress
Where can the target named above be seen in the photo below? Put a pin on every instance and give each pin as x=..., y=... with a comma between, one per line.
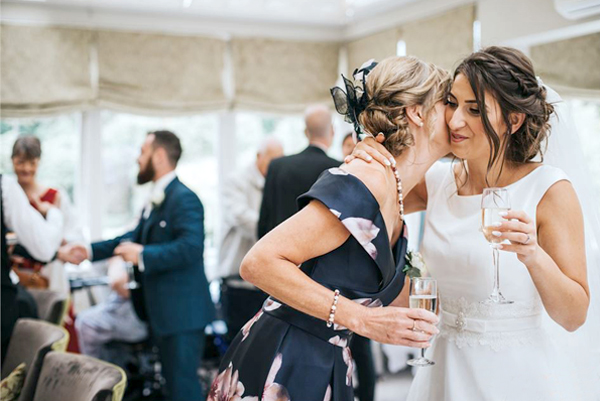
x=350, y=200
x=436, y=176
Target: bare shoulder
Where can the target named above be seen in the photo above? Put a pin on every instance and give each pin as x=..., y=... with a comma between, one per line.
x=375, y=176
x=560, y=200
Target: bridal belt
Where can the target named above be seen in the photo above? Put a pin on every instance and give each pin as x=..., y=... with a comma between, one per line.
x=462, y=323
x=469, y=323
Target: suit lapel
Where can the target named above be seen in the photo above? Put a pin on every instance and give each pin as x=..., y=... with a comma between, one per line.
x=155, y=213
x=148, y=224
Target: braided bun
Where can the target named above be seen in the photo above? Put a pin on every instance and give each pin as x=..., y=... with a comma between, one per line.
x=509, y=76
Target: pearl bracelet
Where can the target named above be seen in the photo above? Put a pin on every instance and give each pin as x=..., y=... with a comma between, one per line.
x=336, y=296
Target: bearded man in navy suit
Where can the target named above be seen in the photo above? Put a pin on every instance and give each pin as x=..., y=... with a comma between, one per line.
x=166, y=249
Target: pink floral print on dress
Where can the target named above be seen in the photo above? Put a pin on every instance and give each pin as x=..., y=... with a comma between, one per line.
x=227, y=387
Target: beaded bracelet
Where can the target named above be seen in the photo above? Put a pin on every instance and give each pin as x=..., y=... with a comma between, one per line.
x=336, y=296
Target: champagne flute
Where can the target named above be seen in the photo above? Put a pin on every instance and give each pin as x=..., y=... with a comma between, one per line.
x=132, y=284
x=493, y=202
x=423, y=294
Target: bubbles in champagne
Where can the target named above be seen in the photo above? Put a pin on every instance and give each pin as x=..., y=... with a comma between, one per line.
x=428, y=302
x=490, y=216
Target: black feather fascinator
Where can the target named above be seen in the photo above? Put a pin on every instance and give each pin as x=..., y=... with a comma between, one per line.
x=354, y=100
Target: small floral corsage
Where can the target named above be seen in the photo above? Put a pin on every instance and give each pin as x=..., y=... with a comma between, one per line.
x=157, y=199
x=415, y=265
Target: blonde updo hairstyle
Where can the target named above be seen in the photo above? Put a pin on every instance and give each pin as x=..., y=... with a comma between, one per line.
x=395, y=84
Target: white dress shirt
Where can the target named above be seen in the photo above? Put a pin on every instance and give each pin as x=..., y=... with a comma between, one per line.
x=242, y=196
x=41, y=237
x=157, y=195
x=55, y=271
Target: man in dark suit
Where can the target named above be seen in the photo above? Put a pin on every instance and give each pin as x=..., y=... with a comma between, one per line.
x=291, y=176
x=167, y=247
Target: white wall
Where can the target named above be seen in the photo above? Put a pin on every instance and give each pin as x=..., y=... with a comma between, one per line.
x=523, y=23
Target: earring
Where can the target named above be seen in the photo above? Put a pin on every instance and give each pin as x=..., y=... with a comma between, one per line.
x=421, y=124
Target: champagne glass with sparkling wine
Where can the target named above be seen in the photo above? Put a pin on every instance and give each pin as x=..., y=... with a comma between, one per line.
x=493, y=202
x=423, y=294
x=132, y=284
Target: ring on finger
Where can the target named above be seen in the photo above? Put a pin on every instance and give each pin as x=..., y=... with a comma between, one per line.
x=414, y=325
x=527, y=240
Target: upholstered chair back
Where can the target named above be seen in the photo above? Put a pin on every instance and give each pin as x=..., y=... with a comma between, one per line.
x=52, y=306
x=31, y=340
x=75, y=377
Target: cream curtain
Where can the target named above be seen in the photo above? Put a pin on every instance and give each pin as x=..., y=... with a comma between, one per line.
x=377, y=46
x=141, y=72
x=443, y=40
x=570, y=66
x=283, y=76
x=44, y=70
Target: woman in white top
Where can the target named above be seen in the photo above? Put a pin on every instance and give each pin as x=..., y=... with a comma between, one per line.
x=498, y=119
x=26, y=155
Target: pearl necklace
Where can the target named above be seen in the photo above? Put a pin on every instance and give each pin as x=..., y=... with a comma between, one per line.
x=399, y=182
x=393, y=165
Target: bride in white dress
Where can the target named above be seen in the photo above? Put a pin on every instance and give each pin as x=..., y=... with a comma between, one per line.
x=498, y=117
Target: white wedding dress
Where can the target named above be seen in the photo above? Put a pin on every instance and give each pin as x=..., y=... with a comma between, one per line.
x=491, y=352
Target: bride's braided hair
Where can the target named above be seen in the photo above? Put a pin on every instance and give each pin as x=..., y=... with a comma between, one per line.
x=395, y=84
x=508, y=75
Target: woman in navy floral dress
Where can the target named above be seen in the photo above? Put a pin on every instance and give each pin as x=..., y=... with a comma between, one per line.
x=348, y=236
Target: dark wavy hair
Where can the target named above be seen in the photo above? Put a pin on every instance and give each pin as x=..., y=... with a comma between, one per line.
x=508, y=75
x=28, y=147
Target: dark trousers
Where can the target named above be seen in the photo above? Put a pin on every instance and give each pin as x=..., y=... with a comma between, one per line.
x=27, y=305
x=239, y=303
x=180, y=356
x=10, y=314
x=16, y=303
x=365, y=368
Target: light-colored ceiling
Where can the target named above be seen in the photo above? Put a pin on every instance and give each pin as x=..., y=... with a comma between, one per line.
x=334, y=13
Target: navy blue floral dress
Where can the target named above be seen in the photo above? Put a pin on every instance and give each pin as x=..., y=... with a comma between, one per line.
x=283, y=354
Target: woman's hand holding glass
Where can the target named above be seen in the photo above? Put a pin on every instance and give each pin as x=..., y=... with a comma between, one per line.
x=423, y=294
x=519, y=229
x=399, y=326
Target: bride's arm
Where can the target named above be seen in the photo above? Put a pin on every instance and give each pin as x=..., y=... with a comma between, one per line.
x=555, y=257
x=272, y=265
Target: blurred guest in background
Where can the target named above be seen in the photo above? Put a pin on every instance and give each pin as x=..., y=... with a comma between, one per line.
x=291, y=176
x=348, y=144
x=40, y=237
x=114, y=319
x=241, y=201
x=167, y=249
x=26, y=155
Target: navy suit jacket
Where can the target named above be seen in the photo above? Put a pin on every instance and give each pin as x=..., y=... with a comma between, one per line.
x=287, y=178
x=175, y=288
